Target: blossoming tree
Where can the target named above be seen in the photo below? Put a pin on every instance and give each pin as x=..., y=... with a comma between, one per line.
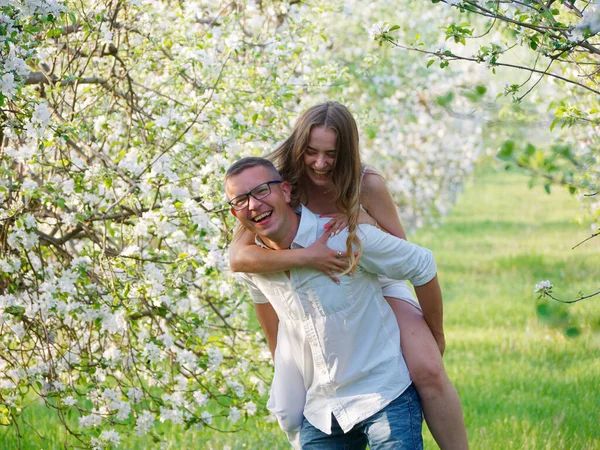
x=554, y=46
x=118, y=119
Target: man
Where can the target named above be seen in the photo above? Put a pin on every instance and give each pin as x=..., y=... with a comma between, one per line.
x=343, y=338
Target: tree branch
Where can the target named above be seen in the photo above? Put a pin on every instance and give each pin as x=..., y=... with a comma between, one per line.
x=42, y=78
x=452, y=56
x=585, y=240
x=578, y=299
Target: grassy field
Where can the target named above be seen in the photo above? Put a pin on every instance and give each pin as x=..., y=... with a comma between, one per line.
x=523, y=383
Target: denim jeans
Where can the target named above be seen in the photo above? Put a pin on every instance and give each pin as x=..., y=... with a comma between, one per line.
x=397, y=426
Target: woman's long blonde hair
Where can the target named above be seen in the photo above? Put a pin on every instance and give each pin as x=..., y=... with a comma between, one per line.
x=347, y=170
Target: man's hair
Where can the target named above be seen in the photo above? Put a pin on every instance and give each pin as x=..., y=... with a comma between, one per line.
x=249, y=162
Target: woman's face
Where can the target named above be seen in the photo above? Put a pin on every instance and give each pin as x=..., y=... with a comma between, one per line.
x=319, y=156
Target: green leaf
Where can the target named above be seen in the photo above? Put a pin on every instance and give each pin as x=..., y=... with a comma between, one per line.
x=543, y=310
x=15, y=310
x=480, y=89
x=394, y=28
x=53, y=33
x=547, y=188
x=371, y=131
x=572, y=332
x=444, y=100
x=564, y=151
x=529, y=149
x=506, y=151
x=572, y=190
x=430, y=62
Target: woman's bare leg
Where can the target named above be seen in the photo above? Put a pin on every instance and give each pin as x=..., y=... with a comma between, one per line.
x=439, y=399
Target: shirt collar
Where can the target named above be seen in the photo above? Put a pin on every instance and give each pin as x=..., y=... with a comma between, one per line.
x=307, y=229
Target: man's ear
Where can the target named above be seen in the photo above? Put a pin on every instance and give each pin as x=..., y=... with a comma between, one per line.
x=233, y=212
x=286, y=188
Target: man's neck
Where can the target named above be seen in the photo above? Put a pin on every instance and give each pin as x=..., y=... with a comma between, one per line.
x=289, y=232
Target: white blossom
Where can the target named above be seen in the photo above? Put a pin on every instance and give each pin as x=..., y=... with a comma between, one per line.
x=251, y=408
x=144, y=423
x=110, y=436
x=200, y=398
x=215, y=357
x=92, y=420
x=173, y=415
x=234, y=414
x=69, y=400
x=543, y=287
x=377, y=29
x=206, y=417
x=8, y=87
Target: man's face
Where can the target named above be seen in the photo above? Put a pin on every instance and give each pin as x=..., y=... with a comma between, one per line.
x=266, y=217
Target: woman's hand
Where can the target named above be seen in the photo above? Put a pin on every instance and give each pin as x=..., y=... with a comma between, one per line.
x=324, y=259
x=337, y=223
x=340, y=221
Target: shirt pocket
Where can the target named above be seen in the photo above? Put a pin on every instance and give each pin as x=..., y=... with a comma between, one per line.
x=325, y=297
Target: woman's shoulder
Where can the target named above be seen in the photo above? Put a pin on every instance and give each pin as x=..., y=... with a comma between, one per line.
x=371, y=181
x=373, y=189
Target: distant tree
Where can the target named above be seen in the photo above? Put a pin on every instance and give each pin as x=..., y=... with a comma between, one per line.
x=559, y=41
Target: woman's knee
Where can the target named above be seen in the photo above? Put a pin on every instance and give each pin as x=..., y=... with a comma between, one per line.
x=419, y=348
x=427, y=371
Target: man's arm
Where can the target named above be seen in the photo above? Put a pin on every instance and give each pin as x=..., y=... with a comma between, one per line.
x=384, y=254
x=267, y=317
x=400, y=260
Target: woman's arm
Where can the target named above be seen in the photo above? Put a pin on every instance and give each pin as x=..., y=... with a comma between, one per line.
x=377, y=201
x=246, y=256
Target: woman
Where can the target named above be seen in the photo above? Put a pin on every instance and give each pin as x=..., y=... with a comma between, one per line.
x=321, y=161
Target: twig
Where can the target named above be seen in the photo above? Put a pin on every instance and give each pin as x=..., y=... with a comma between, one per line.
x=583, y=297
x=453, y=56
x=585, y=240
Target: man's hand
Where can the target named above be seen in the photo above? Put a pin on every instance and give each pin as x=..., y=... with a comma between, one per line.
x=430, y=299
x=440, y=340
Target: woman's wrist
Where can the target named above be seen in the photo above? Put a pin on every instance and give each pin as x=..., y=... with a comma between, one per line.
x=302, y=255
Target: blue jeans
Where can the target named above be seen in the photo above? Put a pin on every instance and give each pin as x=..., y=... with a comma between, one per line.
x=397, y=426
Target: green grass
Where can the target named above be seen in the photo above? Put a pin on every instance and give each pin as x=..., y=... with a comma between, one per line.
x=523, y=383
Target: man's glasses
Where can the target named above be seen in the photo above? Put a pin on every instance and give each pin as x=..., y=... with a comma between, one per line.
x=259, y=192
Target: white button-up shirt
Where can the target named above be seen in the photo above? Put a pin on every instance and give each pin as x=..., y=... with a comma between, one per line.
x=344, y=339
